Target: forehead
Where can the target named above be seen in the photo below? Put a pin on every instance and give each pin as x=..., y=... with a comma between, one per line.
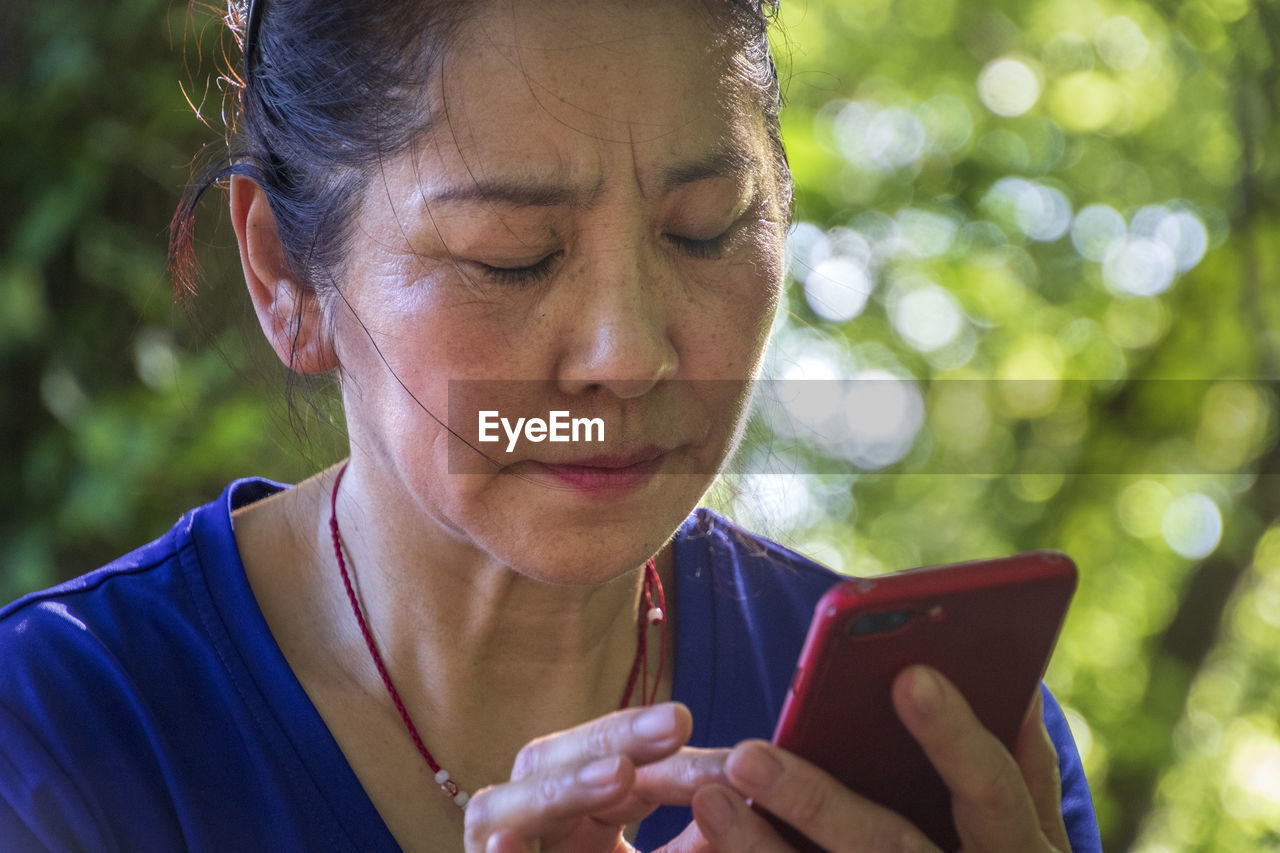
x=576, y=88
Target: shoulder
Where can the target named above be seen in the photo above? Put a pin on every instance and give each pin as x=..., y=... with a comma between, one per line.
x=75, y=665
x=99, y=673
x=82, y=610
x=103, y=631
x=129, y=596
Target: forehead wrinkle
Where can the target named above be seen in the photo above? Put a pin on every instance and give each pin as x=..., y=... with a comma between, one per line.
x=514, y=190
x=513, y=54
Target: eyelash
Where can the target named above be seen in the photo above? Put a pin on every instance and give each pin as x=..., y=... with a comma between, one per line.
x=707, y=249
x=520, y=276
x=703, y=249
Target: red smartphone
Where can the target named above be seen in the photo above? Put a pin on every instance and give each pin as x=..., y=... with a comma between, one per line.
x=989, y=626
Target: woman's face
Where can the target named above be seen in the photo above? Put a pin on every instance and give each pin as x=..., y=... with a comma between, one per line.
x=592, y=224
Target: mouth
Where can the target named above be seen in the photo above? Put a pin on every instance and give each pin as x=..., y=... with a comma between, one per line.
x=608, y=472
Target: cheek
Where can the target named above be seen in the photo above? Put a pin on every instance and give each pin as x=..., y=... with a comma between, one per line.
x=401, y=325
x=728, y=321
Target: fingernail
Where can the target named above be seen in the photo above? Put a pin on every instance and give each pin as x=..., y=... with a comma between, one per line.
x=500, y=841
x=656, y=722
x=755, y=766
x=715, y=812
x=602, y=771
x=926, y=692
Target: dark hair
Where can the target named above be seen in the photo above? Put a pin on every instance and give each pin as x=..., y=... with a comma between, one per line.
x=320, y=96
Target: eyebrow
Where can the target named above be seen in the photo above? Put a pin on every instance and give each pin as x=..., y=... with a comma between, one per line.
x=517, y=192
x=725, y=162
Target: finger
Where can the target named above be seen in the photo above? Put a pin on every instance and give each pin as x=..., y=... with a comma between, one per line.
x=671, y=781
x=728, y=823
x=642, y=734
x=549, y=804
x=992, y=806
x=815, y=803
x=1037, y=758
x=674, y=779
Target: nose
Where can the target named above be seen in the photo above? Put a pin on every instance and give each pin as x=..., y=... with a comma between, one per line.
x=620, y=337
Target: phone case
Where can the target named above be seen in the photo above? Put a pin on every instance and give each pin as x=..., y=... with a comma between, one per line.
x=989, y=626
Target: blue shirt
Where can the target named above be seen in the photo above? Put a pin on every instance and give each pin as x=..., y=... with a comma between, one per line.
x=146, y=706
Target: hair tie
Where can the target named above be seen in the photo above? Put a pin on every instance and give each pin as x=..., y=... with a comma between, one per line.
x=252, y=20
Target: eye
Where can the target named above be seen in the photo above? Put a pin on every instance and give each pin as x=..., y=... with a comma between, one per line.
x=712, y=247
x=521, y=275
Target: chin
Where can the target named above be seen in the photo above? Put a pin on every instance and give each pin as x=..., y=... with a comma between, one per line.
x=588, y=556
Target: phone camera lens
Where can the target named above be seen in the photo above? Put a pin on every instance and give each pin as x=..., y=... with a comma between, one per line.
x=879, y=623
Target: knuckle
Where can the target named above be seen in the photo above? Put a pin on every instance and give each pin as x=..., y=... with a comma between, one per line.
x=600, y=738
x=548, y=789
x=688, y=771
x=697, y=771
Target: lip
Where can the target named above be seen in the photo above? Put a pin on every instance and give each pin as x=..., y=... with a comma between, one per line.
x=608, y=472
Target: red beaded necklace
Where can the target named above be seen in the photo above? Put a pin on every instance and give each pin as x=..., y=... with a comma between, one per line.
x=649, y=614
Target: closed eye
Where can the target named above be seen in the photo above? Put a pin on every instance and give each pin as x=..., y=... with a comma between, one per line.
x=712, y=247
x=522, y=275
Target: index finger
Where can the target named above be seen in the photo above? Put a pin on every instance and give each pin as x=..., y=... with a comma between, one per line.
x=642, y=734
x=992, y=807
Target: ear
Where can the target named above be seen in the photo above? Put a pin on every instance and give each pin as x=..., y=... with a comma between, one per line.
x=288, y=310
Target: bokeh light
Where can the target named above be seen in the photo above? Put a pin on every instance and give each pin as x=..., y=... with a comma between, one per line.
x=878, y=138
x=1181, y=231
x=1140, y=267
x=881, y=417
x=926, y=316
x=1192, y=525
x=1251, y=786
x=1096, y=229
x=1009, y=87
x=925, y=234
x=837, y=289
x=1040, y=212
x=1121, y=43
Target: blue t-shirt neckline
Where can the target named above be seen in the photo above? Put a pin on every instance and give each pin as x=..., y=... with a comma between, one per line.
x=257, y=665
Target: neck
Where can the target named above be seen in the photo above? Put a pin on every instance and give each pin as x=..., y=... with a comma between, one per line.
x=468, y=640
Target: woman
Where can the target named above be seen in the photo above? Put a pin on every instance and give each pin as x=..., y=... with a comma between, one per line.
x=510, y=208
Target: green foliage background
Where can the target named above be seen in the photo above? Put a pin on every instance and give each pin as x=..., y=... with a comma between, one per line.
x=1153, y=415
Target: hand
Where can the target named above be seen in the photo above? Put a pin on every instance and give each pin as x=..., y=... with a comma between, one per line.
x=577, y=790
x=1000, y=802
